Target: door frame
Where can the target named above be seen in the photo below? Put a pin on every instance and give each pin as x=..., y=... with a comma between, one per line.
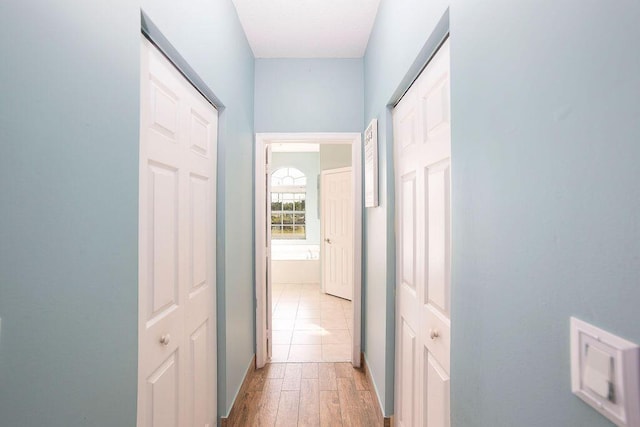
x=262, y=140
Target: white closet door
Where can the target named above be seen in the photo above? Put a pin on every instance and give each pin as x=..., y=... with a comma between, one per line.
x=422, y=138
x=178, y=137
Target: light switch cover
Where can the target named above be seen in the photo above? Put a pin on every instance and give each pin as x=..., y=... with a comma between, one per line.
x=605, y=373
x=598, y=370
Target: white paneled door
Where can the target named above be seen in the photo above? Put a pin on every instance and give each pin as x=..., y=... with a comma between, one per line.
x=178, y=138
x=336, y=223
x=422, y=139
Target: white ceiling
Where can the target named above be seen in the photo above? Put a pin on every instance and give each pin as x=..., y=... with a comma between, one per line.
x=307, y=28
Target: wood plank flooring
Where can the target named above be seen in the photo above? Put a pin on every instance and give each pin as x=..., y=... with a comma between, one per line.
x=306, y=394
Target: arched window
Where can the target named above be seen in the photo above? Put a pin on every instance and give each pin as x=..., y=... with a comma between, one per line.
x=288, y=177
x=288, y=193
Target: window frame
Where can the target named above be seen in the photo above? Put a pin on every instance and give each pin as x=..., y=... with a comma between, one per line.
x=281, y=191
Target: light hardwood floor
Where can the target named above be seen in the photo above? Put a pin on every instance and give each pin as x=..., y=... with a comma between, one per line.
x=306, y=394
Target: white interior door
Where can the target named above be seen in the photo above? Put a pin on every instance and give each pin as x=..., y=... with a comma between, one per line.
x=177, y=324
x=422, y=139
x=336, y=223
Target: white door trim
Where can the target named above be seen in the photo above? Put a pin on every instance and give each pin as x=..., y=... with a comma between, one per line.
x=262, y=139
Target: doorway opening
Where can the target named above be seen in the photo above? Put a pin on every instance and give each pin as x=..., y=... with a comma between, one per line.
x=308, y=248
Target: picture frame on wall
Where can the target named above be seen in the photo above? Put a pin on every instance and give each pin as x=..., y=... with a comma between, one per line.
x=371, y=165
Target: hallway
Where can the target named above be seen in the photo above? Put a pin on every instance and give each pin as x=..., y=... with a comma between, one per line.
x=543, y=194
x=306, y=394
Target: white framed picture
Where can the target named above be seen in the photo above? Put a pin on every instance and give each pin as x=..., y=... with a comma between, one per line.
x=371, y=165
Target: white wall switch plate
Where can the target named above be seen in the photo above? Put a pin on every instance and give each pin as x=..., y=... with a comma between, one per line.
x=605, y=373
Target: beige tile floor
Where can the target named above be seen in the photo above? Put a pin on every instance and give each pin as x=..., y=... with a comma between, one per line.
x=309, y=326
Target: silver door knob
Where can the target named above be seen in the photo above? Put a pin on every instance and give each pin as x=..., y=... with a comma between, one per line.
x=328, y=241
x=164, y=340
x=433, y=333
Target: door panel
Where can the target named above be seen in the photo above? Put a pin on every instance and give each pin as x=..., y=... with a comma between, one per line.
x=162, y=394
x=408, y=230
x=200, y=134
x=199, y=362
x=163, y=243
x=437, y=236
x=164, y=103
x=422, y=152
x=436, y=399
x=178, y=131
x=337, y=232
x=435, y=105
x=197, y=231
x=407, y=375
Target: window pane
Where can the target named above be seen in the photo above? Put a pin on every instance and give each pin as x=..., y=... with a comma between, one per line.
x=287, y=206
x=276, y=233
x=287, y=218
x=287, y=230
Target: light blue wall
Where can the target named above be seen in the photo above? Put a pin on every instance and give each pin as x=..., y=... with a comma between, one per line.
x=399, y=34
x=208, y=34
x=69, y=195
x=69, y=212
x=309, y=164
x=308, y=95
x=546, y=125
